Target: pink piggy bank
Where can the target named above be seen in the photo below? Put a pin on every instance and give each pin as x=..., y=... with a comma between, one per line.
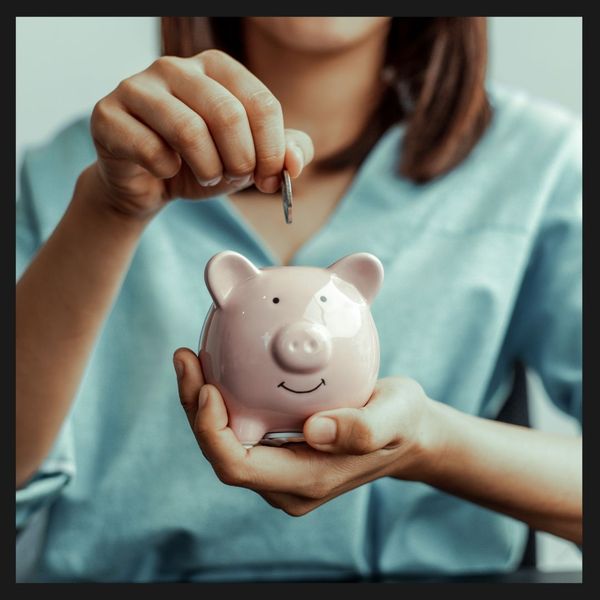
x=281, y=343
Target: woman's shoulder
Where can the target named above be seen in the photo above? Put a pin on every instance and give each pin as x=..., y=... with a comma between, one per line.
x=535, y=126
x=525, y=168
x=532, y=157
x=532, y=149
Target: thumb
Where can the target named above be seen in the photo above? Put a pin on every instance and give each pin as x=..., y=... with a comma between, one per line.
x=379, y=424
x=299, y=151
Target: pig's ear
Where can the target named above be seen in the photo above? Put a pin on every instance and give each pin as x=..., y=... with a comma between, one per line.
x=225, y=271
x=363, y=270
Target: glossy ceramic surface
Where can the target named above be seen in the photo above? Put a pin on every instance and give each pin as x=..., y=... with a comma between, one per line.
x=282, y=343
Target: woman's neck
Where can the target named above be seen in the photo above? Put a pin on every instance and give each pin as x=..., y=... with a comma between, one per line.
x=330, y=96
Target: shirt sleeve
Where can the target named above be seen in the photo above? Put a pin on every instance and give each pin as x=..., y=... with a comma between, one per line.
x=548, y=321
x=45, y=486
x=58, y=468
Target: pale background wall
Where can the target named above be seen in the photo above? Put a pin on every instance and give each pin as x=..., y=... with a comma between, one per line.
x=65, y=64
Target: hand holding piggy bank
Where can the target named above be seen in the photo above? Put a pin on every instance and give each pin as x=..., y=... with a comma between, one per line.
x=282, y=343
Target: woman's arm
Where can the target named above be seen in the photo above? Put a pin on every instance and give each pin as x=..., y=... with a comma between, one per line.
x=61, y=302
x=182, y=128
x=531, y=475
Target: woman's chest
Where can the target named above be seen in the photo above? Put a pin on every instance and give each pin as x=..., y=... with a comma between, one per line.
x=314, y=201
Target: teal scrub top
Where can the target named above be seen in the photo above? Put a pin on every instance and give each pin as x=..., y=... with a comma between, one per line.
x=482, y=268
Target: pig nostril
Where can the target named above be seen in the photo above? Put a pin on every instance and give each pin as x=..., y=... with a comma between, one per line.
x=310, y=346
x=302, y=347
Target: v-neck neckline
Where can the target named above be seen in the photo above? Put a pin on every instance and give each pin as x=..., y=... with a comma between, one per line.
x=344, y=203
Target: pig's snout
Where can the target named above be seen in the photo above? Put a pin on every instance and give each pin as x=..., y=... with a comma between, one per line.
x=302, y=347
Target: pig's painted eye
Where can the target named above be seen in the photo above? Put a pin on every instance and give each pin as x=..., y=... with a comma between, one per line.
x=323, y=298
x=275, y=300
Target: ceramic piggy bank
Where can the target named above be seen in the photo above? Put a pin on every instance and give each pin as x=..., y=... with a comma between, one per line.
x=281, y=343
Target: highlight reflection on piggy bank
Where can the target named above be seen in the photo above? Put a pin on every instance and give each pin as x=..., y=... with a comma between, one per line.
x=281, y=343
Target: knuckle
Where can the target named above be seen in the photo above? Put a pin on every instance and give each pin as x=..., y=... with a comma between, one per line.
x=167, y=64
x=101, y=112
x=129, y=87
x=185, y=402
x=230, y=112
x=242, y=167
x=269, y=159
x=363, y=445
x=187, y=132
x=361, y=438
x=263, y=104
x=212, y=56
x=100, y=122
x=188, y=404
x=201, y=431
x=151, y=152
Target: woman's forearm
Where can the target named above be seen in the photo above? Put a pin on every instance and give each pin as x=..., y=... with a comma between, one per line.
x=530, y=475
x=61, y=302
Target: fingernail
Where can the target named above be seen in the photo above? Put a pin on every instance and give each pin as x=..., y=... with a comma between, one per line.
x=299, y=154
x=178, y=368
x=239, y=181
x=203, y=396
x=323, y=430
x=270, y=184
x=210, y=182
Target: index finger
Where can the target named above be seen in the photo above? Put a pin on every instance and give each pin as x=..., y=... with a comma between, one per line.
x=264, y=114
x=189, y=381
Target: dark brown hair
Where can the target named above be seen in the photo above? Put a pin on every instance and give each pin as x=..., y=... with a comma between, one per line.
x=435, y=69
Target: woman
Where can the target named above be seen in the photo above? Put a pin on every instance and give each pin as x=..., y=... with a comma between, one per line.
x=471, y=199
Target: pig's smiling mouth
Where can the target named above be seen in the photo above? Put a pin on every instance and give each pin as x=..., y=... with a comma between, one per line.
x=282, y=384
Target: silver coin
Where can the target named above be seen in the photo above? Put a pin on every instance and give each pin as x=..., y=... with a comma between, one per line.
x=286, y=196
x=282, y=437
